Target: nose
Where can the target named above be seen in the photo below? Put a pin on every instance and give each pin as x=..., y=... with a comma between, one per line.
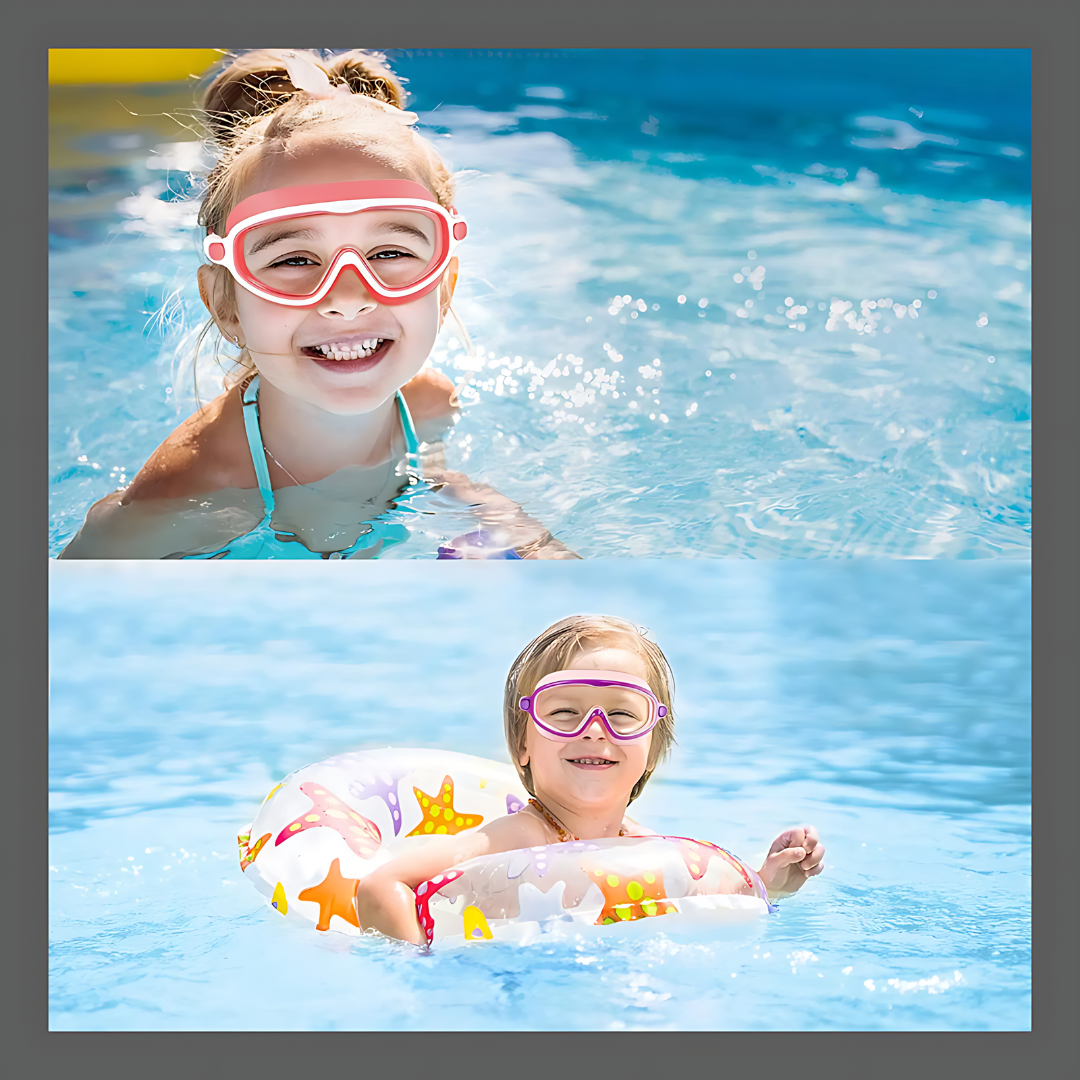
x=347, y=298
x=595, y=729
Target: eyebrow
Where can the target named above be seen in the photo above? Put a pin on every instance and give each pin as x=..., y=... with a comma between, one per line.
x=307, y=234
x=401, y=227
x=275, y=237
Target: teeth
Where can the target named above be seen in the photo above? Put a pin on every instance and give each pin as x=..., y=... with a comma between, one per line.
x=593, y=761
x=339, y=351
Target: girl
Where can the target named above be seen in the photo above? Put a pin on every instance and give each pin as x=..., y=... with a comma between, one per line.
x=330, y=237
x=586, y=724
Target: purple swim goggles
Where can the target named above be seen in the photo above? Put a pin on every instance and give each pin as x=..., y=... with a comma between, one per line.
x=565, y=704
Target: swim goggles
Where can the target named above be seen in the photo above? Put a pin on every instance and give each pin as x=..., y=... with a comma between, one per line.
x=566, y=703
x=290, y=245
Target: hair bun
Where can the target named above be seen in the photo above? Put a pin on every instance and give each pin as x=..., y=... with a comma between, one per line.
x=258, y=82
x=368, y=74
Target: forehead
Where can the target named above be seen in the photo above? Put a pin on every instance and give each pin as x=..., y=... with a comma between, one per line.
x=313, y=159
x=609, y=656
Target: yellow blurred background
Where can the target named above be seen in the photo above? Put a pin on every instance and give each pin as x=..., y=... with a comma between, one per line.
x=109, y=105
x=119, y=66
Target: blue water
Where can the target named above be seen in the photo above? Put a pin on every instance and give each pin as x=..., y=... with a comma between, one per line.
x=886, y=702
x=848, y=372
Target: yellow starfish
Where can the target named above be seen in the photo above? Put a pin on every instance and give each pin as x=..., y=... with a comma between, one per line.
x=439, y=815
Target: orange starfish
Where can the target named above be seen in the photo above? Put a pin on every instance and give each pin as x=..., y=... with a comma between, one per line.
x=439, y=815
x=335, y=895
x=638, y=896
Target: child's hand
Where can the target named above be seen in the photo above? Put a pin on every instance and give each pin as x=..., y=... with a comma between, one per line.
x=794, y=856
x=478, y=545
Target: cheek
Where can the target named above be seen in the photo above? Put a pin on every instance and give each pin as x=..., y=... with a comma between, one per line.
x=265, y=325
x=420, y=319
x=541, y=752
x=641, y=755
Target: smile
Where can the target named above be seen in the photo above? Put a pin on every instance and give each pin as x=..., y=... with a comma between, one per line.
x=591, y=761
x=349, y=349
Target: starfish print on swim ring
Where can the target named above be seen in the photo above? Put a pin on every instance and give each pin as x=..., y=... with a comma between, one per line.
x=335, y=895
x=362, y=836
x=439, y=815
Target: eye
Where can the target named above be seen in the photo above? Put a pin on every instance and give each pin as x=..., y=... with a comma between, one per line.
x=392, y=253
x=294, y=260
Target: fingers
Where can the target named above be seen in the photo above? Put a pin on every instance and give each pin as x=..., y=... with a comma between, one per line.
x=812, y=864
x=786, y=857
x=799, y=847
x=789, y=838
x=814, y=849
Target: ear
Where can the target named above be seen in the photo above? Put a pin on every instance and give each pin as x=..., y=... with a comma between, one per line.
x=523, y=758
x=446, y=289
x=221, y=307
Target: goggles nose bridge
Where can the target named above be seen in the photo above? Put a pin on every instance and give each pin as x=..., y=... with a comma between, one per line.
x=596, y=716
x=346, y=259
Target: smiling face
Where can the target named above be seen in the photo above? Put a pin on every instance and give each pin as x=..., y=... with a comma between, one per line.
x=592, y=772
x=348, y=353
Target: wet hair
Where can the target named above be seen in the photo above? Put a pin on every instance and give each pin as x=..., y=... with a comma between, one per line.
x=252, y=110
x=554, y=649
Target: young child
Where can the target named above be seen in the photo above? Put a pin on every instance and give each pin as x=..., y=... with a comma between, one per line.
x=584, y=750
x=330, y=237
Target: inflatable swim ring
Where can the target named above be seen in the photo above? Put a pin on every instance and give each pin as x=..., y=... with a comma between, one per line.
x=327, y=825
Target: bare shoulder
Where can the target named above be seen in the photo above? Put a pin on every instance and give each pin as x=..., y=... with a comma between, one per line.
x=520, y=830
x=635, y=828
x=429, y=396
x=206, y=453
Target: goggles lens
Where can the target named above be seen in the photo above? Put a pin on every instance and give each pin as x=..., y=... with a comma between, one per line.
x=293, y=255
x=569, y=709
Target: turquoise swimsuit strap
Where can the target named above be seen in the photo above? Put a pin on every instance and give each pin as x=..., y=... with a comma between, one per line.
x=258, y=453
x=412, y=443
x=255, y=443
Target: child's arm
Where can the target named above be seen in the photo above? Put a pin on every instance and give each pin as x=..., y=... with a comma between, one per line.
x=795, y=857
x=503, y=523
x=385, y=900
x=198, y=489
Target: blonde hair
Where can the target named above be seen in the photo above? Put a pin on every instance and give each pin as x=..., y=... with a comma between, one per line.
x=554, y=649
x=252, y=110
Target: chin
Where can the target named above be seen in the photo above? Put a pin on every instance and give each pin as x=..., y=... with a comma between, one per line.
x=349, y=400
x=599, y=797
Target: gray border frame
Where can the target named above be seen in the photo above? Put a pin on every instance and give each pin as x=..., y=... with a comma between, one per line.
x=1038, y=25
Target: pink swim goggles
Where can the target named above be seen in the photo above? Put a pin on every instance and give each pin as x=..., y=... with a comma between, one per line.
x=566, y=703
x=291, y=245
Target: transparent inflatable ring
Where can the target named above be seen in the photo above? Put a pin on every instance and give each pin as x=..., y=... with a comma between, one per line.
x=325, y=826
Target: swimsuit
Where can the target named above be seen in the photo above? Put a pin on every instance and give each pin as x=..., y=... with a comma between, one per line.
x=266, y=542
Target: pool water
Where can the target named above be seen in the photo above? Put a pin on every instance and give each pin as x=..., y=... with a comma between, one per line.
x=886, y=702
x=724, y=303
